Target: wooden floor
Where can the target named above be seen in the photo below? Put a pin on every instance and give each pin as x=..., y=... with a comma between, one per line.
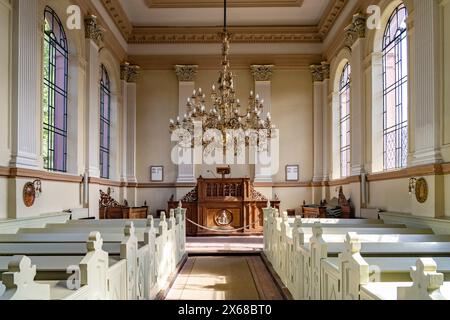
x=224, y=245
x=224, y=278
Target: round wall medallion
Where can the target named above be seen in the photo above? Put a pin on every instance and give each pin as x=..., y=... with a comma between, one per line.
x=421, y=190
x=29, y=194
x=223, y=218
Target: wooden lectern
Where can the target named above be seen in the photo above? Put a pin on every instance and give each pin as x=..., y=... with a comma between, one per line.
x=224, y=206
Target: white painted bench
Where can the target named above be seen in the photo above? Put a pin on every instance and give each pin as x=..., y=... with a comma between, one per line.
x=343, y=268
x=98, y=278
x=428, y=284
x=159, y=254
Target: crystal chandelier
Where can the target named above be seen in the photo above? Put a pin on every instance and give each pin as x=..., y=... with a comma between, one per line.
x=226, y=113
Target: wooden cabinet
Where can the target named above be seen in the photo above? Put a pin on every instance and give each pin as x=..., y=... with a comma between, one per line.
x=111, y=209
x=314, y=212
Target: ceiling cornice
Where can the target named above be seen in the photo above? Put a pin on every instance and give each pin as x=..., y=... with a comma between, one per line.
x=242, y=34
x=332, y=12
x=250, y=34
x=240, y=61
x=219, y=3
x=119, y=16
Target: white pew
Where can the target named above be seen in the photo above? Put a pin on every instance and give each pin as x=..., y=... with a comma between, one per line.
x=279, y=241
x=428, y=284
x=18, y=282
x=342, y=277
x=294, y=263
x=126, y=250
x=98, y=280
x=159, y=256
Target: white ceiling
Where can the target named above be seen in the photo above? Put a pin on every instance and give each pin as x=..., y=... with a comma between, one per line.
x=309, y=14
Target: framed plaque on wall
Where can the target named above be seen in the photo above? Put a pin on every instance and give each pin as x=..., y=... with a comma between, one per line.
x=292, y=173
x=156, y=173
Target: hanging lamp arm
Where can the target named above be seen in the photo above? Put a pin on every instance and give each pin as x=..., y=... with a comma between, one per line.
x=225, y=16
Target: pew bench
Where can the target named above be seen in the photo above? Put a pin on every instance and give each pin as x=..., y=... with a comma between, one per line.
x=99, y=276
x=428, y=284
x=292, y=253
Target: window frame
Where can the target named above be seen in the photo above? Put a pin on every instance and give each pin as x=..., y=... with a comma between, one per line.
x=345, y=90
x=57, y=47
x=105, y=91
x=396, y=45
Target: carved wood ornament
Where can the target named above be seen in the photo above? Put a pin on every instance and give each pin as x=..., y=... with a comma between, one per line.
x=421, y=190
x=30, y=191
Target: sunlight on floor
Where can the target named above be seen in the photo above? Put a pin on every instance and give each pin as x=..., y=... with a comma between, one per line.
x=215, y=278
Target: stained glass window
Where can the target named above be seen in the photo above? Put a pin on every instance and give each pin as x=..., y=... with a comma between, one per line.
x=344, y=122
x=395, y=90
x=54, y=93
x=105, y=123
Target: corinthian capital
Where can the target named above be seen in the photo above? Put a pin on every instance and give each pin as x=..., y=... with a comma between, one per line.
x=262, y=72
x=355, y=30
x=93, y=30
x=325, y=70
x=186, y=73
x=317, y=72
x=320, y=72
x=129, y=72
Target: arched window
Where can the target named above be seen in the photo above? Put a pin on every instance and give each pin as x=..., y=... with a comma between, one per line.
x=54, y=93
x=395, y=90
x=344, y=120
x=105, y=123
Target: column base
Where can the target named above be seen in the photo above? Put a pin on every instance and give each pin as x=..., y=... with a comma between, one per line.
x=263, y=179
x=357, y=170
x=24, y=160
x=187, y=180
x=423, y=157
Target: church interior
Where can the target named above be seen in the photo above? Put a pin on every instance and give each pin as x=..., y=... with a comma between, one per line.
x=225, y=150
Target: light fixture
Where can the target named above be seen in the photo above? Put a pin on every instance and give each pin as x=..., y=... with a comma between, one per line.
x=226, y=114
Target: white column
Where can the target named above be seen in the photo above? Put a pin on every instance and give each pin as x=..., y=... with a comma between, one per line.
x=357, y=108
x=355, y=40
x=427, y=86
x=124, y=138
x=318, y=122
x=326, y=111
x=94, y=37
x=186, y=85
x=262, y=75
x=129, y=74
x=26, y=82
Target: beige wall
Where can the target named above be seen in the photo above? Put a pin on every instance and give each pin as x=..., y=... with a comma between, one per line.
x=390, y=195
x=157, y=102
x=55, y=197
x=447, y=195
x=3, y=198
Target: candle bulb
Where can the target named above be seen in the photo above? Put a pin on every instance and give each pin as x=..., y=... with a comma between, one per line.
x=251, y=93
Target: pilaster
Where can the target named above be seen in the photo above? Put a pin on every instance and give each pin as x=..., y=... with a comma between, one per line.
x=26, y=82
x=186, y=85
x=262, y=75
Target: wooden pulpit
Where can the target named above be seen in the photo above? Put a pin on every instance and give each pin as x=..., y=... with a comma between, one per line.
x=223, y=207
